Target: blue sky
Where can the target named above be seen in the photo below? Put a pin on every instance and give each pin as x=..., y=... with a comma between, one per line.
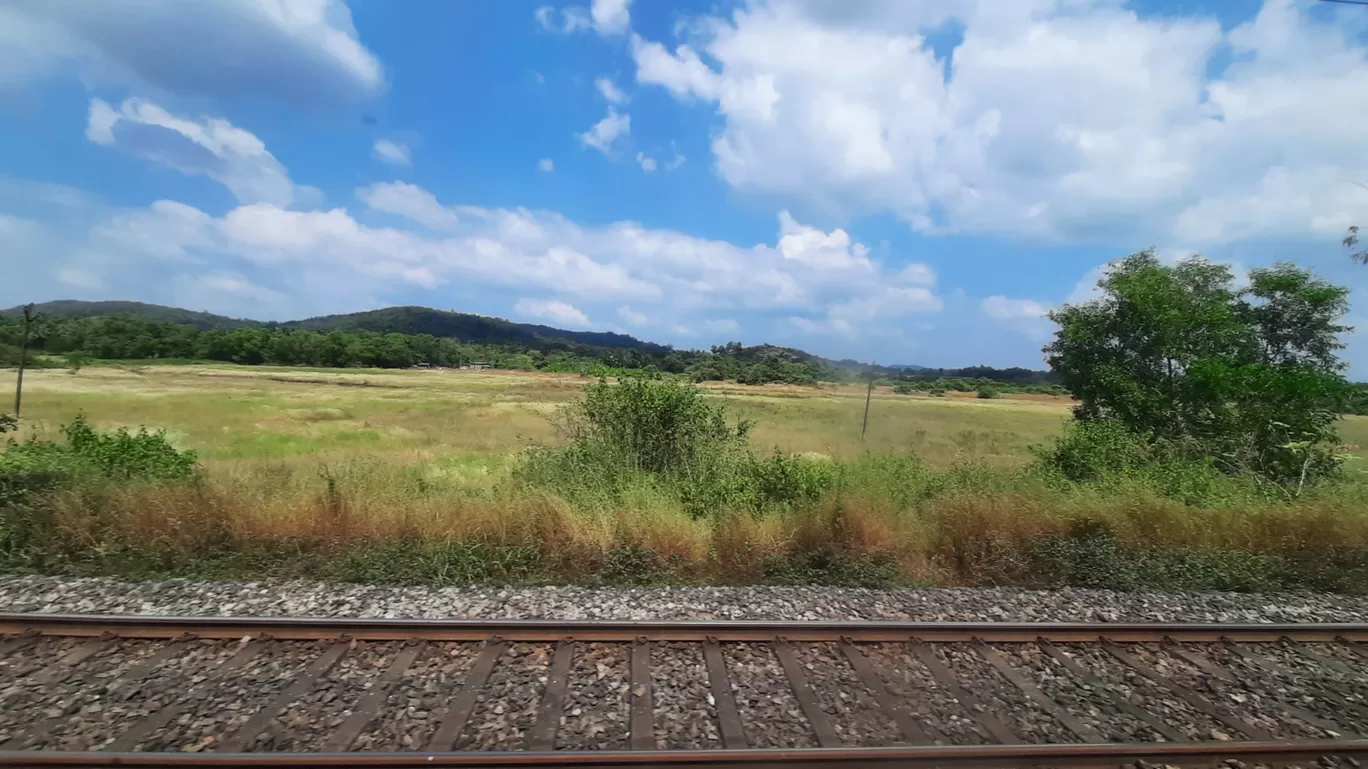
x=906, y=182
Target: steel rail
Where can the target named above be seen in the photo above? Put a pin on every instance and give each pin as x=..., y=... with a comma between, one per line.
x=319, y=628
x=805, y=758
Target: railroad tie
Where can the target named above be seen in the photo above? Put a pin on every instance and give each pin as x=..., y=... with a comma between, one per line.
x=998, y=730
x=642, y=726
x=243, y=737
x=151, y=724
x=875, y=682
x=543, y=735
x=1083, y=674
x=369, y=706
x=807, y=700
x=1081, y=730
x=728, y=719
x=39, y=730
x=460, y=707
x=1195, y=700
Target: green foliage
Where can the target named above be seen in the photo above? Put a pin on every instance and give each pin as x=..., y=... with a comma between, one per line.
x=8, y=423
x=988, y=392
x=1093, y=450
x=644, y=436
x=1176, y=354
x=124, y=456
x=655, y=425
x=1351, y=241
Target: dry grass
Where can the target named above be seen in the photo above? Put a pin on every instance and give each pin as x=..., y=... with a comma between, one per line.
x=427, y=456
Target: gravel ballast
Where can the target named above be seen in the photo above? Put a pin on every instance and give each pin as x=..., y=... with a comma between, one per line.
x=317, y=599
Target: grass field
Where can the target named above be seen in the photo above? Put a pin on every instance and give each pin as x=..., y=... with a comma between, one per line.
x=407, y=476
x=236, y=414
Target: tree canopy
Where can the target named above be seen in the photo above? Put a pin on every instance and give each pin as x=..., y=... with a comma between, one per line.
x=1246, y=376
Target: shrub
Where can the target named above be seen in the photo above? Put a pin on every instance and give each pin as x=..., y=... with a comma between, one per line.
x=654, y=425
x=8, y=424
x=988, y=391
x=1089, y=451
x=123, y=456
x=904, y=388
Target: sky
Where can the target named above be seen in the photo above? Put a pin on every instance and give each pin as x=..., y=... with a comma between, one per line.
x=885, y=180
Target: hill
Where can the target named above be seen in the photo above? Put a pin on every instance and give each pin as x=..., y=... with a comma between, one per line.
x=475, y=329
x=75, y=308
x=469, y=328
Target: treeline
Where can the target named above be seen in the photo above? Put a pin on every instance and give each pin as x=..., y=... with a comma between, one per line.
x=124, y=337
x=979, y=384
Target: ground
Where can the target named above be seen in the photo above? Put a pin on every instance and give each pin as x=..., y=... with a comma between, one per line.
x=232, y=414
x=406, y=476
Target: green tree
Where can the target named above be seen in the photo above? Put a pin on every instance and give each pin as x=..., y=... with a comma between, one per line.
x=1247, y=378
x=1351, y=241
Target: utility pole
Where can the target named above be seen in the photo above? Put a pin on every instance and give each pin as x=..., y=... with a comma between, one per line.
x=868, y=393
x=23, y=358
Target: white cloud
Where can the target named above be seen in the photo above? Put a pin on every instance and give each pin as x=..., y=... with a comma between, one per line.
x=1002, y=308
x=546, y=165
x=552, y=310
x=648, y=164
x=393, y=152
x=335, y=260
x=606, y=131
x=408, y=200
x=606, y=17
x=632, y=317
x=676, y=161
x=722, y=326
x=293, y=51
x=611, y=93
x=210, y=147
x=1070, y=120
x=611, y=17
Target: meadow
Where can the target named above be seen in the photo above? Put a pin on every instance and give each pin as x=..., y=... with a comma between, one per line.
x=413, y=476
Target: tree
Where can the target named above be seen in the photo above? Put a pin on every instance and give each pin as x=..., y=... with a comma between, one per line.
x=1248, y=378
x=1350, y=241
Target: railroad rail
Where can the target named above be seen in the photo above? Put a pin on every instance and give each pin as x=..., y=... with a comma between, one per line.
x=135, y=691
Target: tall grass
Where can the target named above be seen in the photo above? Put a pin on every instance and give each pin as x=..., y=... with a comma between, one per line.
x=650, y=483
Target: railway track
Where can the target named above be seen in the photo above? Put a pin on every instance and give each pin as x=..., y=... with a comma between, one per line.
x=88, y=691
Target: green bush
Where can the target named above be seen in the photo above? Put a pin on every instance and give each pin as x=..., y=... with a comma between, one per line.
x=988, y=391
x=643, y=438
x=123, y=456
x=1090, y=451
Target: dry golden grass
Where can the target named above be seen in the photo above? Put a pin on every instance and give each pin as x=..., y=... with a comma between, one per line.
x=426, y=456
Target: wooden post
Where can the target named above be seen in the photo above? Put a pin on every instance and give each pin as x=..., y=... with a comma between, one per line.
x=23, y=358
x=865, y=425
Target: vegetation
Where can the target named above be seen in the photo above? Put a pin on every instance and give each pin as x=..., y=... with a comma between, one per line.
x=418, y=477
x=1203, y=453
x=1246, y=380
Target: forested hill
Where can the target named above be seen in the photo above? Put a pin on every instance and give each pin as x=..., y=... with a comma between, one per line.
x=75, y=308
x=467, y=327
x=476, y=329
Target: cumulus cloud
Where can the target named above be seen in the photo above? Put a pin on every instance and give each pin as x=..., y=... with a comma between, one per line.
x=546, y=165
x=631, y=316
x=648, y=164
x=1002, y=308
x=611, y=17
x=606, y=17
x=552, y=310
x=1054, y=120
x=610, y=92
x=393, y=152
x=607, y=131
x=409, y=200
x=336, y=259
x=299, y=51
x=210, y=147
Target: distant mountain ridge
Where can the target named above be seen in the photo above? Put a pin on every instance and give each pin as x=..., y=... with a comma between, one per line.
x=77, y=308
x=466, y=327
